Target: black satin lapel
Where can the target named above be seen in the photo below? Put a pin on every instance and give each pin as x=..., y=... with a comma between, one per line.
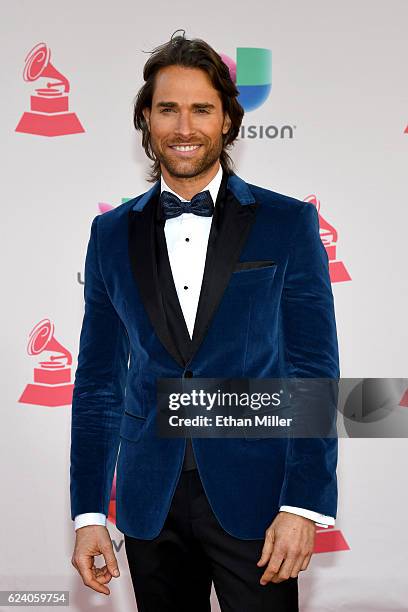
x=143, y=260
x=228, y=235
x=176, y=322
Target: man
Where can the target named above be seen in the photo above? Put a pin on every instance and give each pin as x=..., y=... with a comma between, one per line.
x=231, y=283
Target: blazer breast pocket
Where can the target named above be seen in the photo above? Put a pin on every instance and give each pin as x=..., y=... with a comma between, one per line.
x=251, y=265
x=252, y=271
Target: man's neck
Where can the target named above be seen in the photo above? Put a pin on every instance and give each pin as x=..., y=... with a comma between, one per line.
x=188, y=187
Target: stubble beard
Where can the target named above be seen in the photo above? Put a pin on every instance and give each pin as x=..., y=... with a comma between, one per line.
x=188, y=168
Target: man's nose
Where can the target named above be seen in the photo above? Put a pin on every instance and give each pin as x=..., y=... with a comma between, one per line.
x=184, y=126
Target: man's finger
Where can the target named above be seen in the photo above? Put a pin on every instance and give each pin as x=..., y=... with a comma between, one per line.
x=267, y=547
x=110, y=560
x=306, y=561
x=88, y=576
x=103, y=575
x=284, y=570
x=273, y=566
x=297, y=566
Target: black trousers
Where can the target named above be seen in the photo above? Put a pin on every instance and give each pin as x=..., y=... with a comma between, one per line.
x=174, y=571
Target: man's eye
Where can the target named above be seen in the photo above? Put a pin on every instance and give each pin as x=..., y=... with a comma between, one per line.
x=163, y=110
x=202, y=110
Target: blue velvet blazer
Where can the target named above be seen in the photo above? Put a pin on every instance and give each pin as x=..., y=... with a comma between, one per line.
x=272, y=316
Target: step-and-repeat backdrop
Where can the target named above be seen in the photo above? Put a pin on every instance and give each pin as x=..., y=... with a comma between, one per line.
x=326, y=121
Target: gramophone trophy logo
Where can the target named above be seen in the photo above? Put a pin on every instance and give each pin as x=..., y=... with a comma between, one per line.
x=49, y=115
x=404, y=399
x=52, y=377
x=329, y=539
x=329, y=237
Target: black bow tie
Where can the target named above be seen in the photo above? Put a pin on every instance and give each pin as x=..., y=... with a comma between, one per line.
x=201, y=204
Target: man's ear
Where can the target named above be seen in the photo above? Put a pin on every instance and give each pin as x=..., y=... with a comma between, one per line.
x=227, y=123
x=146, y=115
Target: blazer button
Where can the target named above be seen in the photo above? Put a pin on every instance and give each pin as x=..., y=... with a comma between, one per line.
x=188, y=374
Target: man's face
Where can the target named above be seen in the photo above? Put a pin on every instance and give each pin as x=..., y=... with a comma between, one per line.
x=186, y=110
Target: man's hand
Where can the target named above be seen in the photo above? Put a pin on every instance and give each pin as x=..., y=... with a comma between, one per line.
x=289, y=543
x=94, y=540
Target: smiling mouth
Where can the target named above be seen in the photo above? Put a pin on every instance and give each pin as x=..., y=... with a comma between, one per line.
x=185, y=148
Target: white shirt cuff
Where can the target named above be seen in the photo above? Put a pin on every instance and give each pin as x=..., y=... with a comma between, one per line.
x=321, y=520
x=89, y=518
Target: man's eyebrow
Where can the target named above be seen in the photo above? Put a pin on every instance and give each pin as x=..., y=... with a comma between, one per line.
x=203, y=105
x=208, y=105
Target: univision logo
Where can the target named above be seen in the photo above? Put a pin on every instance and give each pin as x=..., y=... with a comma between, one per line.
x=252, y=74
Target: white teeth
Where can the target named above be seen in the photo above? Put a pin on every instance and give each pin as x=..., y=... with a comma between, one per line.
x=186, y=148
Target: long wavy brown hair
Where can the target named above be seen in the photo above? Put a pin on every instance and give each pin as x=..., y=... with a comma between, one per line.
x=191, y=53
